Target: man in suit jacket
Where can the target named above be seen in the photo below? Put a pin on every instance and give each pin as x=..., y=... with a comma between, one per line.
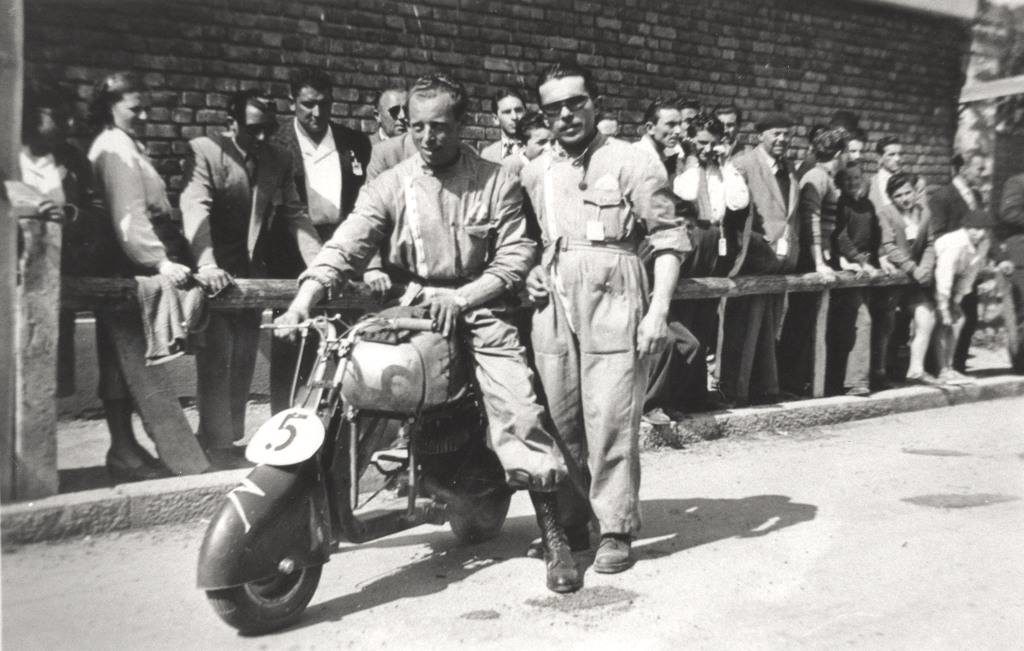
x=768, y=245
x=329, y=163
x=1009, y=233
x=390, y=115
x=240, y=187
x=509, y=109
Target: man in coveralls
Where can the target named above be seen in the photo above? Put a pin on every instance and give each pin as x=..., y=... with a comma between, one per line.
x=451, y=221
x=596, y=329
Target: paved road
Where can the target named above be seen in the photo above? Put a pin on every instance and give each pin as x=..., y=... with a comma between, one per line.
x=903, y=531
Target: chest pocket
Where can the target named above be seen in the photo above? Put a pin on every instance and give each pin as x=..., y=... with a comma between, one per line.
x=610, y=209
x=475, y=247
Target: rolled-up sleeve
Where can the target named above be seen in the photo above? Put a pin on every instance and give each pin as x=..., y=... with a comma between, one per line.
x=655, y=207
x=514, y=251
x=354, y=242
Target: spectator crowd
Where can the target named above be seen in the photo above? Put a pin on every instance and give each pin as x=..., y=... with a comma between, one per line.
x=263, y=196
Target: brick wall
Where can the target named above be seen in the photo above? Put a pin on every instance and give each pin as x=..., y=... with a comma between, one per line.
x=900, y=71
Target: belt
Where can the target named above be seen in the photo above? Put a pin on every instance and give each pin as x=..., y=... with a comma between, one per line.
x=628, y=248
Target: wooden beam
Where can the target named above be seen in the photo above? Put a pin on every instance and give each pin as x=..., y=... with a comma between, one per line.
x=11, y=40
x=87, y=293
x=980, y=91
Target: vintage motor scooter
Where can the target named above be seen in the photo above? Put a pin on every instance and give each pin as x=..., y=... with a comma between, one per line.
x=261, y=558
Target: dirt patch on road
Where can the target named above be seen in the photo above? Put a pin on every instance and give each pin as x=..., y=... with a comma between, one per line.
x=959, y=500
x=933, y=452
x=587, y=599
x=481, y=614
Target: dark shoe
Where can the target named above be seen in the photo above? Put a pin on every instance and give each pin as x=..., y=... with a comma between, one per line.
x=880, y=383
x=578, y=537
x=121, y=472
x=562, y=574
x=613, y=554
x=858, y=392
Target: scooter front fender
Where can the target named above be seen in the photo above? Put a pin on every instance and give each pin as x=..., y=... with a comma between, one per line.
x=276, y=513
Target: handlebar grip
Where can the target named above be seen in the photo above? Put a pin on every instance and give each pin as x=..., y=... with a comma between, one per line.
x=408, y=323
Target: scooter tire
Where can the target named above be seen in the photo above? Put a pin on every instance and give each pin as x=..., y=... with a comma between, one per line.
x=265, y=606
x=481, y=522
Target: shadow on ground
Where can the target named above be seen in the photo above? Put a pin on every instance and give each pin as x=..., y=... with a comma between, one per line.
x=687, y=523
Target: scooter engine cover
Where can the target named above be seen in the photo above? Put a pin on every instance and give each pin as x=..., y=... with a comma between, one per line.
x=290, y=436
x=419, y=371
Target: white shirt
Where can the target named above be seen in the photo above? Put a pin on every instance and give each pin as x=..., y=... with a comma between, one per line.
x=957, y=263
x=726, y=191
x=965, y=192
x=322, y=165
x=43, y=174
x=882, y=177
x=134, y=192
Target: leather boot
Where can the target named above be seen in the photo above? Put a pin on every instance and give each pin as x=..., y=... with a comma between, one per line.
x=562, y=574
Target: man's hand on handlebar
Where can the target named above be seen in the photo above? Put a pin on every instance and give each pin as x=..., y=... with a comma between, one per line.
x=285, y=324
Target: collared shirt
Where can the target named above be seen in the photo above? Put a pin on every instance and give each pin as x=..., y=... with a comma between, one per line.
x=44, y=174
x=957, y=263
x=443, y=225
x=726, y=190
x=879, y=191
x=612, y=193
x=509, y=146
x=668, y=159
x=966, y=192
x=322, y=165
x=134, y=192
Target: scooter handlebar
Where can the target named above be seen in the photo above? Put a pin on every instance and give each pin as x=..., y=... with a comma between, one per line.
x=409, y=323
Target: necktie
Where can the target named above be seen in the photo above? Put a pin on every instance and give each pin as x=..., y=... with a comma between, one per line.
x=250, y=169
x=782, y=177
x=977, y=198
x=507, y=150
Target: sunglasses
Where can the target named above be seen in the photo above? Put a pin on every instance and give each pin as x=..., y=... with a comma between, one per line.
x=266, y=128
x=554, y=109
x=396, y=111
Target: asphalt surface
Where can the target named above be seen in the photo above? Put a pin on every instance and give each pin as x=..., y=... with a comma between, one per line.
x=901, y=531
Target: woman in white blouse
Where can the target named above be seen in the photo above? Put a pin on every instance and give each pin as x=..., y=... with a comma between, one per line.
x=137, y=203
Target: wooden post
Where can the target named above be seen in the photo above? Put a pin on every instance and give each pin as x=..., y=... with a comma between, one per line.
x=820, y=343
x=11, y=39
x=36, y=325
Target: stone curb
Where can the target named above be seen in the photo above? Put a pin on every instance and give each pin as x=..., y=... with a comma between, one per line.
x=820, y=412
x=123, y=507
x=184, y=499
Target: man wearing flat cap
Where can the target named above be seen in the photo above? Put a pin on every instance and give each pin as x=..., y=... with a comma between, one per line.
x=768, y=246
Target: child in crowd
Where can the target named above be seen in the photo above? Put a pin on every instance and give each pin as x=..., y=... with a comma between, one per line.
x=909, y=245
x=959, y=255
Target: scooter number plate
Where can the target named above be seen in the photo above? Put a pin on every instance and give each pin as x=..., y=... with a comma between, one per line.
x=289, y=437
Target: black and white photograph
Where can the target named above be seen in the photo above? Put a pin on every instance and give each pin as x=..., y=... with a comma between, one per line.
x=511, y=324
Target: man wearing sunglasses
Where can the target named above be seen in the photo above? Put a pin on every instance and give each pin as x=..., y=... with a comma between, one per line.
x=453, y=224
x=238, y=183
x=597, y=328
x=390, y=115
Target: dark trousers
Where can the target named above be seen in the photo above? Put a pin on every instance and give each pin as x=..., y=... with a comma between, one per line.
x=678, y=377
x=969, y=305
x=224, y=367
x=796, y=343
x=1016, y=289
x=858, y=323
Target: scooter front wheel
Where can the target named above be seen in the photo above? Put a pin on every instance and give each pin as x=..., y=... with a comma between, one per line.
x=264, y=606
